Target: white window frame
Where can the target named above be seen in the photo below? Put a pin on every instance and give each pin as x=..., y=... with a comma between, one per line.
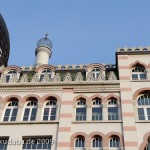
x=10, y=74
x=96, y=72
x=50, y=104
x=143, y=105
x=113, y=103
x=81, y=103
x=47, y=71
x=114, y=146
x=11, y=107
x=97, y=103
x=83, y=144
x=30, y=107
x=97, y=148
x=138, y=71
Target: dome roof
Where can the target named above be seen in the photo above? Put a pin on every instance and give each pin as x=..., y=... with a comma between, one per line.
x=45, y=42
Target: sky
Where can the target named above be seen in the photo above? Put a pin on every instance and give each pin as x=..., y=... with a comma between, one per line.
x=82, y=31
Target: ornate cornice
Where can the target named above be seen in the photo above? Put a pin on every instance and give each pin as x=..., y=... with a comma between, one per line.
x=78, y=87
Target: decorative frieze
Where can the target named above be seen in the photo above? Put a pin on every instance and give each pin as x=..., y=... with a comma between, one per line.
x=79, y=77
x=24, y=78
x=112, y=76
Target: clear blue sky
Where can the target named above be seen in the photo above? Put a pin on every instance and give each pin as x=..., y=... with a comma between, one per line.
x=82, y=31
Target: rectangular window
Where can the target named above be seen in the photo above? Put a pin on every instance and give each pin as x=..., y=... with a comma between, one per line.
x=113, y=113
x=80, y=114
x=97, y=113
x=37, y=143
x=134, y=77
x=3, y=143
x=141, y=114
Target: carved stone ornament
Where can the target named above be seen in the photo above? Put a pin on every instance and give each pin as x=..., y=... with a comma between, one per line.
x=35, y=78
x=57, y=78
x=112, y=76
x=101, y=77
x=3, y=79
x=79, y=77
x=46, y=78
x=24, y=78
x=90, y=77
x=67, y=77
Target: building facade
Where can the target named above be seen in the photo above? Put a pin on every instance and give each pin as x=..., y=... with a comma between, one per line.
x=76, y=107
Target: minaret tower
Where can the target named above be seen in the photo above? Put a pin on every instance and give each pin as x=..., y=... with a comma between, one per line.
x=43, y=51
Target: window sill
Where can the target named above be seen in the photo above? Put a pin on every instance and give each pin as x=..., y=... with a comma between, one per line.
x=27, y=122
x=146, y=80
x=101, y=121
x=142, y=121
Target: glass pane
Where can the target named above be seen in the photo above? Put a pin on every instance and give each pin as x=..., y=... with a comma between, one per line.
x=142, y=76
x=53, y=111
x=46, y=111
x=113, y=113
x=33, y=114
x=13, y=118
x=7, y=112
x=52, y=118
x=5, y=118
x=134, y=77
x=97, y=113
x=26, y=113
x=148, y=113
x=141, y=114
x=80, y=114
x=45, y=117
x=14, y=113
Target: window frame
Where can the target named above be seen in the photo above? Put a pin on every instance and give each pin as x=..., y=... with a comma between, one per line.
x=50, y=107
x=138, y=73
x=30, y=107
x=114, y=147
x=95, y=72
x=142, y=105
x=100, y=143
x=98, y=105
x=81, y=103
x=10, y=73
x=82, y=139
x=42, y=73
x=11, y=108
x=113, y=103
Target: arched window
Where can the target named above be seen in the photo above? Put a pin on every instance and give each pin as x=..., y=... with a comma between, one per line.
x=10, y=74
x=138, y=73
x=11, y=110
x=50, y=109
x=97, y=143
x=96, y=109
x=45, y=71
x=81, y=110
x=30, y=110
x=114, y=143
x=79, y=143
x=144, y=106
x=113, y=110
x=95, y=73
